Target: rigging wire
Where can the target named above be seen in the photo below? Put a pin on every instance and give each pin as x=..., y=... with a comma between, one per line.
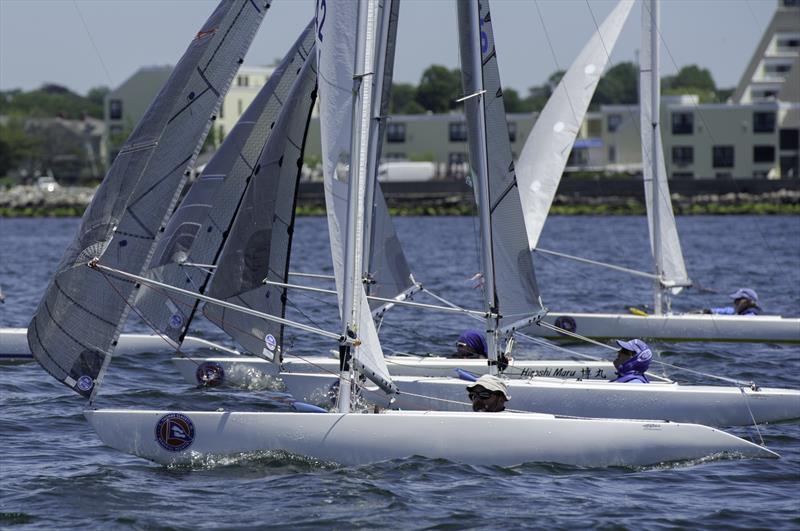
x=94, y=46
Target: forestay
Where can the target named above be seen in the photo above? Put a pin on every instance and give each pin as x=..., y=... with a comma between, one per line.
x=336, y=50
x=516, y=291
x=549, y=143
x=260, y=240
x=74, y=331
x=196, y=232
x=660, y=216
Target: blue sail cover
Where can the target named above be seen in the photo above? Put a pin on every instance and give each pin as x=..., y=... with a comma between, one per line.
x=199, y=227
x=75, y=328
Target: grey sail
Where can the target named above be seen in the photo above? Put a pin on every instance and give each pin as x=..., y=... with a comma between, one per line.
x=515, y=287
x=385, y=263
x=75, y=328
x=197, y=230
x=260, y=239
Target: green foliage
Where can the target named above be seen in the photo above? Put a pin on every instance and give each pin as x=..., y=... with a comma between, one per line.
x=538, y=95
x=439, y=88
x=426, y=156
x=691, y=76
x=16, y=146
x=403, y=100
x=619, y=85
x=52, y=101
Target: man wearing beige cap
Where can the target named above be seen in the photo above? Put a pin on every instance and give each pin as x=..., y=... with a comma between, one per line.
x=488, y=393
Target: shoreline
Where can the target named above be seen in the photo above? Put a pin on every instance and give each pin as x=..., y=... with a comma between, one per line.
x=34, y=202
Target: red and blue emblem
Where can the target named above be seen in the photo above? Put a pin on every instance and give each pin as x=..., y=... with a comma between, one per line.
x=175, y=432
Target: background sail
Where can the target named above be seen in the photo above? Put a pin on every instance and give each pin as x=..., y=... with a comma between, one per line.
x=260, y=240
x=672, y=266
x=515, y=282
x=549, y=143
x=74, y=330
x=387, y=265
x=336, y=46
x=197, y=230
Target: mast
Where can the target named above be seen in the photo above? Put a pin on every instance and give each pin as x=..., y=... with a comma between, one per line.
x=655, y=151
x=469, y=26
x=357, y=177
x=386, y=32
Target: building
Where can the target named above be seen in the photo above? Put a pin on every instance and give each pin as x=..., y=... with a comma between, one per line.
x=126, y=104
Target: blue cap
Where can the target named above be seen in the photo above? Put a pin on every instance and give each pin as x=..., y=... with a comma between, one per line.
x=641, y=361
x=745, y=293
x=474, y=341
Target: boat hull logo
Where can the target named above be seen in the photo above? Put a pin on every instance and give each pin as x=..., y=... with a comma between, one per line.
x=210, y=374
x=567, y=323
x=175, y=432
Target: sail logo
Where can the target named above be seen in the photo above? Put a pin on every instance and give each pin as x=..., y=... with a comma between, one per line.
x=85, y=383
x=175, y=432
x=270, y=342
x=176, y=321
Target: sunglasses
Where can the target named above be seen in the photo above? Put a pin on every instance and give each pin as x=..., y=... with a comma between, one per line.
x=483, y=395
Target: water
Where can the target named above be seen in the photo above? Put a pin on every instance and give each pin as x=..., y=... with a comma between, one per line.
x=56, y=473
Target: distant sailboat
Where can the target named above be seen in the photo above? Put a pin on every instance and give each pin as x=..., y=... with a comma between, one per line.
x=542, y=163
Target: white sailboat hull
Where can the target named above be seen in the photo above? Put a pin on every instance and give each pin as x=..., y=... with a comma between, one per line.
x=250, y=372
x=701, y=404
x=14, y=345
x=685, y=327
x=355, y=439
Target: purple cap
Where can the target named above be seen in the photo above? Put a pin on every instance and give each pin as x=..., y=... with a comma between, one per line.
x=745, y=293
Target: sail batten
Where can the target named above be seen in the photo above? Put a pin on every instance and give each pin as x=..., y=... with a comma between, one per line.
x=133, y=202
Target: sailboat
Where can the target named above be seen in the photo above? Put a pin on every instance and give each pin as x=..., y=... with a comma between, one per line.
x=539, y=170
x=742, y=404
x=345, y=436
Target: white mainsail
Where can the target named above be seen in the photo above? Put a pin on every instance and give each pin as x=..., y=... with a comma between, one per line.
x=336, y=50
x=548, y=146
x=664, y=242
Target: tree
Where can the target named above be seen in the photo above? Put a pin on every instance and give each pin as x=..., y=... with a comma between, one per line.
x=538, y=96
x=439, y=88
x=97, y=95
x=403, y=100
x=512, y=100
x=693, y=80
x=16, y=146
x=618, y=85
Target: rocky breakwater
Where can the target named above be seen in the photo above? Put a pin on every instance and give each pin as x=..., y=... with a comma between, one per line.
x=45, y=201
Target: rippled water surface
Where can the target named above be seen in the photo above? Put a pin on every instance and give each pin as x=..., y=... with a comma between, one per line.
x=56, y=473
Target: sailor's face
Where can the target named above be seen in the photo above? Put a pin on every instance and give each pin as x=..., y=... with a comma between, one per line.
x=623, y=355
x=485, y=400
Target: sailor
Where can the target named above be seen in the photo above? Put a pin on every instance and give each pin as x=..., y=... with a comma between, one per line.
x=488, y=393
x=470, y=344
x=633, y=360
x=745, y=302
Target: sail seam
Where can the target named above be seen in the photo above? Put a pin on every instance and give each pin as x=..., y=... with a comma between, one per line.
x=225, y=36
x=503, y=195
x=180, y=111
x=210, y=86
x=158, y=182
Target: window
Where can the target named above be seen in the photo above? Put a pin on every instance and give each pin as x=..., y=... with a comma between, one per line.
x=791, y=3
x=763, y=153
x=239, y=106
x=222, y=106
x=763, y=94
x=763, y=122
x=578, y=157
x=790, y=139
x=242, y=81
x=595, y=128
x=512, y=131
x=683, y=175
x=458, y=131
x=777, y=68
x=221, y=131
x=682, y=123
x=790, y=167
x=682, y=155
x=612, y=153
x=115, y=109
x=394, y=156
x=723, y=175
x=395, y=132
x=614, y=121
x=722, y=156
x=788, y=43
